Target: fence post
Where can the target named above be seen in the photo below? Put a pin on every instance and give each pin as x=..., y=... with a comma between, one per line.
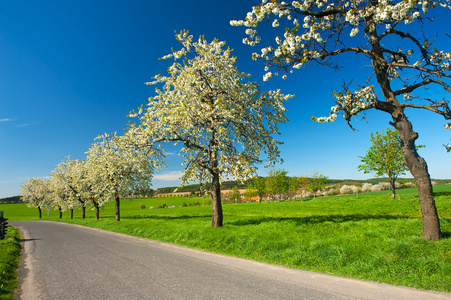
x=3, y=225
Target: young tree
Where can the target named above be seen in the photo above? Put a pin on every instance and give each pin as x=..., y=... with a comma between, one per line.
x=260, y=187
x=223, y=122
x=319, y=34
x=35, y=191
x=277, y=182
x=317, y=182
x=250, y=191
x=114, y=167
x=384, y=157
x=234, y=195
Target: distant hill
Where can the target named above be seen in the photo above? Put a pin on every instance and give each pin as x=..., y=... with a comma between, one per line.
x=11, y=200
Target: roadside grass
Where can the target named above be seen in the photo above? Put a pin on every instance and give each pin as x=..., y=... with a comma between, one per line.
x=370, y=237
x=9, y=262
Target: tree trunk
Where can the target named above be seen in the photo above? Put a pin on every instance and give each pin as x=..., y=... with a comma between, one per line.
x=83, y=212
x=419, y=170
x=216, y=213
x=118, y=210
x=60, y=211
x=71, y=213
x=392, y=187
x=40, y=212
x=416, y=164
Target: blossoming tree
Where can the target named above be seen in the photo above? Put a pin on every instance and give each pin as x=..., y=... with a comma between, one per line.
x=72, y=174
x=321, y=31
x=223, y=122
x=115, y=168
x=36, y=192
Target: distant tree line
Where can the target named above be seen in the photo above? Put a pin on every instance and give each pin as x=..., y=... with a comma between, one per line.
x=11, y=200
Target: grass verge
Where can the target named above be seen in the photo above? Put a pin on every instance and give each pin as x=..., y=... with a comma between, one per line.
x=371, y=237
x=9, y=261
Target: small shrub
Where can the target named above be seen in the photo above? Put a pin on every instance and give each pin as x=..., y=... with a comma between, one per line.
x=143, y=206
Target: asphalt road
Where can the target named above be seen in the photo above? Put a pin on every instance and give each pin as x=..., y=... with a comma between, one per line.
x=62, y=261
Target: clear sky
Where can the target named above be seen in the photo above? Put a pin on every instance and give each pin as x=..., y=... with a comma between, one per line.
x=71, y=70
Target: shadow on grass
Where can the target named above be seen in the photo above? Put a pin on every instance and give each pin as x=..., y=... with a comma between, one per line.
x=183, y=217
x=315, y=219
x=436, y=194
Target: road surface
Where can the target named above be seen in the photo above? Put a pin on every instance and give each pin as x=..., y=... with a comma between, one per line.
x=63, y=261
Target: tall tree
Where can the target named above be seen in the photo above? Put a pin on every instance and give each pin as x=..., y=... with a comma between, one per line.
x=223, y=122
x=319, y=33
x=384, y=157
x=36, y=192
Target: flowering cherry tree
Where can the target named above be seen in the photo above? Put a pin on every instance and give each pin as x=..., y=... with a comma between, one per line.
x=115, y=168
x=60, y=193
x=222, y=121
x=36, y=192
x=72, y=174
x=321, y=31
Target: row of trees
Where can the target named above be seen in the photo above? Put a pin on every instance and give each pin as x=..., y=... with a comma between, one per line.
x=223, y=122
x=278, y=184
x=113, y=168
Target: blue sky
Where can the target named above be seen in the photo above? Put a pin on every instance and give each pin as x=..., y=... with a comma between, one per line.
x=70, y=71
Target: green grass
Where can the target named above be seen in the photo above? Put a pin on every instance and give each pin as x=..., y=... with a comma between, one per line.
x=9, y=261
x=371, y=237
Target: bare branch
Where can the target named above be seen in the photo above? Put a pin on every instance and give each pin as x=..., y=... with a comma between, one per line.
x=411, y=88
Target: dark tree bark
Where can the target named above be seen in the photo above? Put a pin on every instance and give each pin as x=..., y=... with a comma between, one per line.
x=60, y=210
x=217, y=218
x=96, y=205
x=71, y=213
x=118, y=210
x=419, y=170
x=83, y=212
x=40, y=212
x=416, y=164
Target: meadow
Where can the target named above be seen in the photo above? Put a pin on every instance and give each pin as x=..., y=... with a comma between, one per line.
x=369, y=237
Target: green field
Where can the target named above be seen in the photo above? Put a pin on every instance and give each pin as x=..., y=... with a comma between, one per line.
x=369, y=237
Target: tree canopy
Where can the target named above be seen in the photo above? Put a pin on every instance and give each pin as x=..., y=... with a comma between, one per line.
x=384, y=157
x=223, y=122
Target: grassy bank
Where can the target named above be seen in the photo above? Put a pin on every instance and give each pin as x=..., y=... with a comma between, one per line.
x=371, y=237
x=9, y=261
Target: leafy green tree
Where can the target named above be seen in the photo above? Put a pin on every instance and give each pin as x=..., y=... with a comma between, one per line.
x=250, y=191
x=317, y=182
x=260, y=187
x=234, y=195
x=384, y=157
x=277, y=183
